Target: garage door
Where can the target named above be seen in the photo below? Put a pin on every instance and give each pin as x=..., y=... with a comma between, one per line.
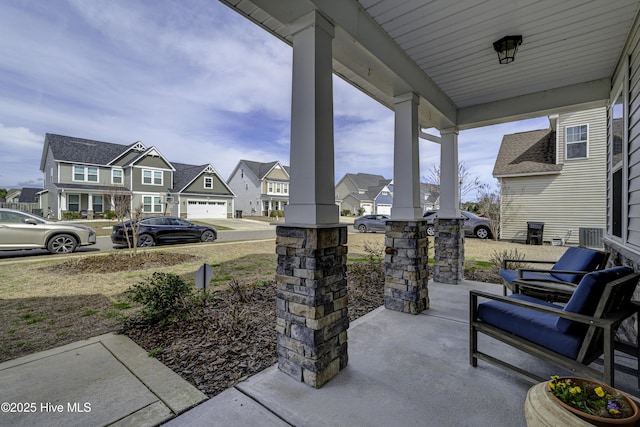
x=384, y=209
x=206, y=209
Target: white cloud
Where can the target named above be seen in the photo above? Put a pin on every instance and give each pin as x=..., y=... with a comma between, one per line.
x=20, y=151
x=193, y=78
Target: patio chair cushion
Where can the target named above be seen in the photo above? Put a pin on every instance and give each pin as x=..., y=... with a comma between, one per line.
x=577, y=259
x=587, y=295
x=537, y=327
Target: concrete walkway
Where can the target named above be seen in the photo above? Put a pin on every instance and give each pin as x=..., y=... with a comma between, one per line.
x=404, y=370
x=106, y=380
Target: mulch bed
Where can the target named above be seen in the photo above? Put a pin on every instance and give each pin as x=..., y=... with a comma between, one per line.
x=234, y=337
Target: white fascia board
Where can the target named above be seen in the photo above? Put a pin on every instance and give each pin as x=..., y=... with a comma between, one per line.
x=523, y=175
x=581, y=96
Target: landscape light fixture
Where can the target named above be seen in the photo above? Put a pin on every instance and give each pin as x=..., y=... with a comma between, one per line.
x=507, y=48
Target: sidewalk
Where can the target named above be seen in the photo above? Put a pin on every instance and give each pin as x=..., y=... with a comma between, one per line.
x=106, y=380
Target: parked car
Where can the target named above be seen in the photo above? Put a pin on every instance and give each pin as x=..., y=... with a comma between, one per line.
x=156, y=230
x=20, y=230
x=474, y=225
x=370, y=223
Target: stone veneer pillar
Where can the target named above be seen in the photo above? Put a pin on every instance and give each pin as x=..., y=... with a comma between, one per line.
x=311, y=302
x=448, y=264
x=405, y=265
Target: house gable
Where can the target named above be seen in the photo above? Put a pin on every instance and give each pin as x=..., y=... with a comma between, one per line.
x=152, y=158
x=527, y=153
x=277, y=173
x=203, y=179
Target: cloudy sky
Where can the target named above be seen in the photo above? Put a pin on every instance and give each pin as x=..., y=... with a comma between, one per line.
x=191, y=77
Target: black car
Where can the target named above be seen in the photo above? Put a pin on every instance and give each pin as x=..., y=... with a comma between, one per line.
x=157, y=230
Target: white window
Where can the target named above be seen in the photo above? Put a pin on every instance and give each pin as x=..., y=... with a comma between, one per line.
x=618, y=144
x=208, y=182
x=577, y=137
x=116, y=176
x=98, y=205
x=277, y=187
x=151, y=177
x=73, y=203
x=151, y=204
x=85, y=173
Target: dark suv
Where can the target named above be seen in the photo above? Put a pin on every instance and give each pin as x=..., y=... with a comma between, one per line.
x=474, y=225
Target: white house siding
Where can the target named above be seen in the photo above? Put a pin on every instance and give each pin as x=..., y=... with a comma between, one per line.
x=633, y=168
x=247, y=191
x=566, y=201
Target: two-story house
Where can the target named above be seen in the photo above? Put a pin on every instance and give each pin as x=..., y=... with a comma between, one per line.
x=557, y=176
x=88, y=177
x=357, y=192
x=260, y=188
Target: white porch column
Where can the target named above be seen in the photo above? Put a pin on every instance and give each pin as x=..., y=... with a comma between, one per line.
x=448, y=263
x=312, y=198
x=449, y=180
x=406, y=159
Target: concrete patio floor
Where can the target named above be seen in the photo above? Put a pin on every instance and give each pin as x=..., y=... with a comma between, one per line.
x=404, y=370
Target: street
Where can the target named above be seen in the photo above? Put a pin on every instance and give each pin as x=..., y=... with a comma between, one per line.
x=243, y=230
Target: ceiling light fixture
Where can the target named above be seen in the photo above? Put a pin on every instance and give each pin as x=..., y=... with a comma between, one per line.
x=507, y=48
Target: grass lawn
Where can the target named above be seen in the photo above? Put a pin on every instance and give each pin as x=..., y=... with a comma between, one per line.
x=50, y=301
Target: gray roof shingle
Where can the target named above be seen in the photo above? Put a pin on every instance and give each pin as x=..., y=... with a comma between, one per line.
x=365, y=180
x=261, y=169
x=184, y=174
x=526, y=153
x=80, y=150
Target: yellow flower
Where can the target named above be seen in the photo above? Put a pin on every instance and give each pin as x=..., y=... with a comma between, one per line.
x=552, y=386
x=613, y=411
x=575, y=390
x=599, y=391
x=555, y=377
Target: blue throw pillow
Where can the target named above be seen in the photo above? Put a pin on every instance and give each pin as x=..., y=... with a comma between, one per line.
x=587, y=295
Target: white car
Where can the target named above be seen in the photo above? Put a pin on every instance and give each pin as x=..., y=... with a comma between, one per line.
x=20, y=230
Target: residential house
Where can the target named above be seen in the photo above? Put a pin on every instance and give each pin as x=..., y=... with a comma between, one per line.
x=358, y=192
x=29, y=195
x=26, y=199
x=429, y=196
x=260, y=188
x=88, y=177
x=13, y=195
x=556, y=176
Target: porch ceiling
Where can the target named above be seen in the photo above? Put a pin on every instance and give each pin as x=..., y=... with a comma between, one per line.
x=443, y=51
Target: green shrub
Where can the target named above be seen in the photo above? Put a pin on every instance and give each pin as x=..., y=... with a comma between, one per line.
x=165, y=298
x=346, y=212
x=276, y=214
x=67, y=215
x=109, y=214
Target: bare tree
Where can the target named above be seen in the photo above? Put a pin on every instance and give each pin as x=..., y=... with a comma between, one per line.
x=467, y=182
x=127, y=217
x=499, y=204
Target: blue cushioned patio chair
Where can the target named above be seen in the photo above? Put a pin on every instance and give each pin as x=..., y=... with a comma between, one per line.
x=570, y=337
x=569, y=269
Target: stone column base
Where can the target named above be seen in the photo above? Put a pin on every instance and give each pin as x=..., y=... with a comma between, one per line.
x=449, y=251
x=405, y=265
x=311, y=302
